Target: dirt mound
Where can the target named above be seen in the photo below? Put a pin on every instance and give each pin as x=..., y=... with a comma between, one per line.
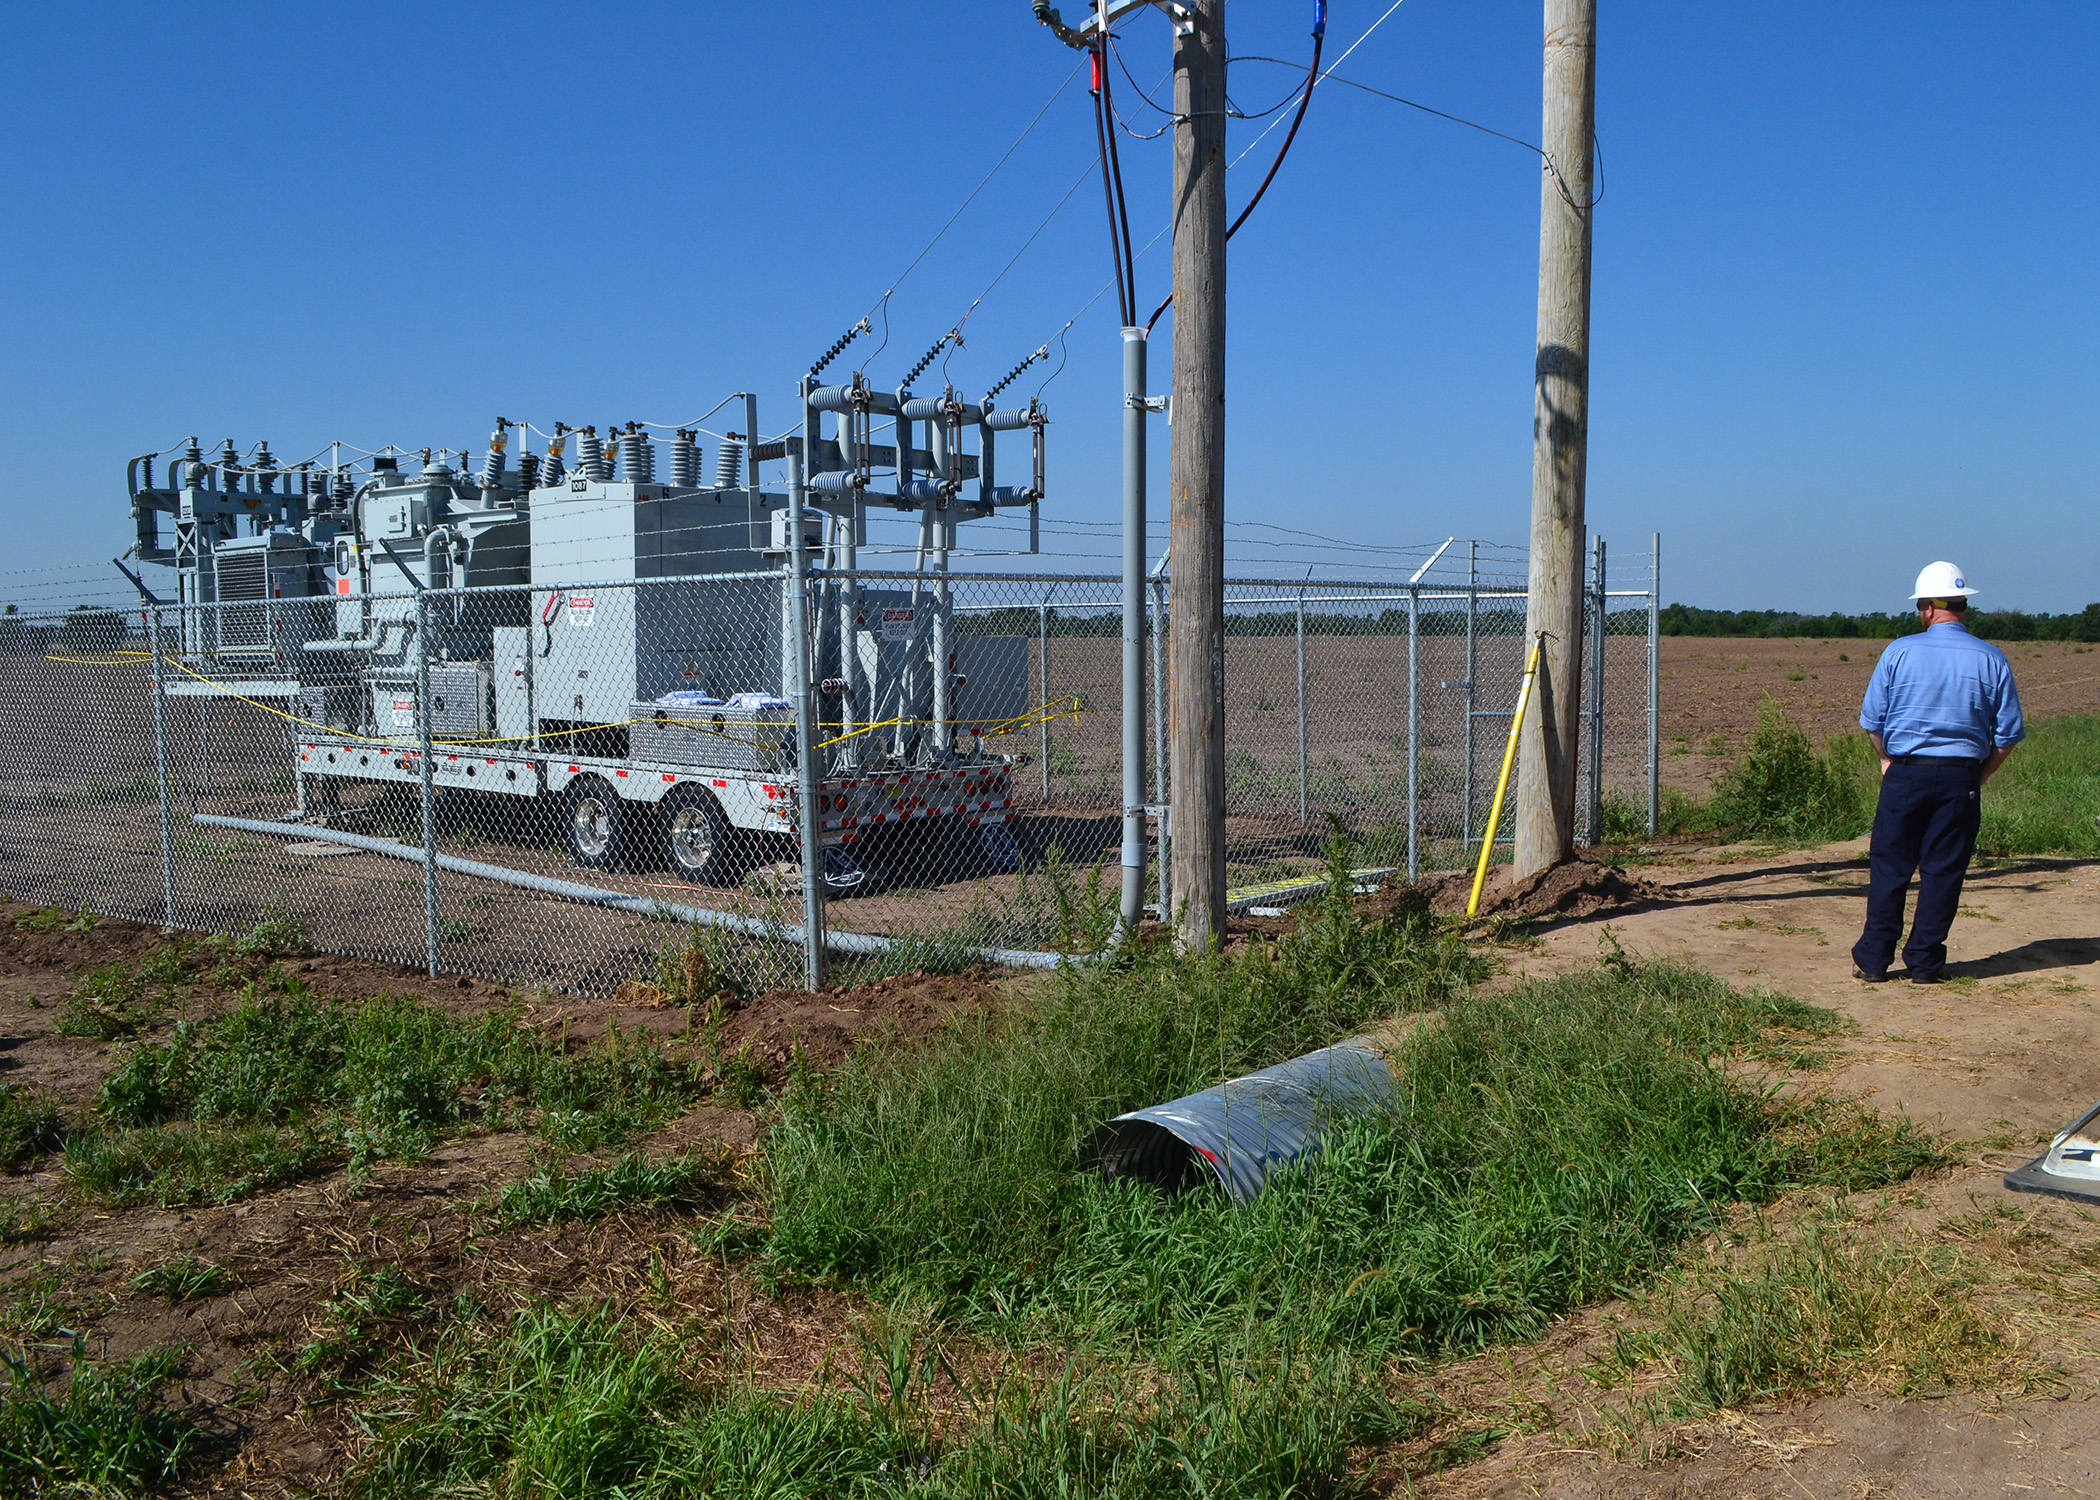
x=827, y=1026
x=1579, y=888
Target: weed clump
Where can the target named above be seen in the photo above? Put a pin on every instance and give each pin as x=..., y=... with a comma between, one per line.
x=107, y=1433
x=29, y=1125
x=185, y=1279
x=1780, y=789
x=283, y=1083
x=554, y=1195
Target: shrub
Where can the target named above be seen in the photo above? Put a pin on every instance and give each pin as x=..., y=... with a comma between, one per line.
x=1781, y=789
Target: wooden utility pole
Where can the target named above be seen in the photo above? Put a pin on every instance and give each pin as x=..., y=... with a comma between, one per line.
x=1546, y=754
x=1196, y=475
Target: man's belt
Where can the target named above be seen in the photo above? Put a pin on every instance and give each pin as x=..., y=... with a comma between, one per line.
x=1970, y=761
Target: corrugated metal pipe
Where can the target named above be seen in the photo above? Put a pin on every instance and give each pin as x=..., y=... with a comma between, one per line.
x=1241, y=1131
x=841, y=942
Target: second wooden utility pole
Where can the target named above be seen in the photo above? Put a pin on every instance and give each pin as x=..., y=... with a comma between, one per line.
x=1546, y=753
x=1196, y=478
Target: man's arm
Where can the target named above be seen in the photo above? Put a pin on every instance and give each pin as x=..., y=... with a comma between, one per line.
x=1881, y=749
x=1993, y=761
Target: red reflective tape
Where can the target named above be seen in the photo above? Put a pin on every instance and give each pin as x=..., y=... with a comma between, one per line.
x=619, y=773
x=669, y=777
x=720, y=782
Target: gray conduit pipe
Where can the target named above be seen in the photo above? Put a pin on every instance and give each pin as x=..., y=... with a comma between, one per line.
x=862, y=943
x=1238, y=1133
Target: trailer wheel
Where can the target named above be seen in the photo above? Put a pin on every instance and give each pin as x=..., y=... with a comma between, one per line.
x=593, y=822
x=695, y=837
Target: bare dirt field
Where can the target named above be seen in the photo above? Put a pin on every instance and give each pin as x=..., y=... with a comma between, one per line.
x=1711, y=688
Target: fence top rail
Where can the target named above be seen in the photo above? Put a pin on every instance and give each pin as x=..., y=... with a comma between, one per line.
x=1325, y=589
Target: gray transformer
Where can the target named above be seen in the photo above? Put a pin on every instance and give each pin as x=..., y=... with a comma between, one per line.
x=598, y=646
x=617, y=641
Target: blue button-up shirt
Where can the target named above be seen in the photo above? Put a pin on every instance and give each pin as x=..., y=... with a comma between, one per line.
x=1943, y=692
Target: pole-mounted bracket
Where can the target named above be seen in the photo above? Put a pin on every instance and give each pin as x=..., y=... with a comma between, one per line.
x=1151, y=403
x=1105, y=15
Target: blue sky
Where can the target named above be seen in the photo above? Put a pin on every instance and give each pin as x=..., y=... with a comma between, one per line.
x=1843, y=296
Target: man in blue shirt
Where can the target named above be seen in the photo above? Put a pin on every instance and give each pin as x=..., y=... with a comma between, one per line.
x=1943, y=711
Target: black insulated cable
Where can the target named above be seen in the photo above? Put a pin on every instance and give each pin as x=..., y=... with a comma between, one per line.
x=1121, y=226
x=1312, y=79
x=1108, y=188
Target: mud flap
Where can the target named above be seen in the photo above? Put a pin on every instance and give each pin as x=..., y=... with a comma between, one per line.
x=2070, y=1168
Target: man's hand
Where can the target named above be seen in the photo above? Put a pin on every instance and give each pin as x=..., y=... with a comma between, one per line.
x=1881, y=749
x=1992, y=762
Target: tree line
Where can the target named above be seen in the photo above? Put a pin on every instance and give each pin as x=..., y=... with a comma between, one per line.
x=1991, y=625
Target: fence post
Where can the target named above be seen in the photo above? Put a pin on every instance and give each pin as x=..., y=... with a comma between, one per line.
x=796, y=586
x=1304, y=810
x=1596, y=756
x=1465, y=818
x=430, y=869
x=1655, y=687
x=160, y=760
x=1042, y=620
x=1414, y=738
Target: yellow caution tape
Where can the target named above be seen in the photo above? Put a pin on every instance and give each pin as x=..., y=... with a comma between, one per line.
x=1046, y=713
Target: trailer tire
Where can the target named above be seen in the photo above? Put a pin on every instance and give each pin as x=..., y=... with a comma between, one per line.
x=594, y=823
x=695, y=837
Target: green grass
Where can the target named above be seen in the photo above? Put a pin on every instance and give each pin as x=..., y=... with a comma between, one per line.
x=1556, y=1142
x=283, y=1084
x=56, y=919
x=1027, y=1329
x=554, y=1195
x=2046, y=797
x=570, y=1403
x=1831, y=1306
x=2044, y=801
x=116, y=1001
x=949, y=1168
x=107, y=1433
x=185, y=1279
x=29, y=1125
x=184, y=1163
x=375, y=1310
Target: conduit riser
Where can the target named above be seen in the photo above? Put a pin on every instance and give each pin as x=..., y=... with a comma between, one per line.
x=1240, y=1132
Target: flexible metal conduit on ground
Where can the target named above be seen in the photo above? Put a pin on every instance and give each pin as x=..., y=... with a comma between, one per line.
x=863, y=943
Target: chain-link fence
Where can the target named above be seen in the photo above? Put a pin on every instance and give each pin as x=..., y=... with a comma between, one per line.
x=593, y=782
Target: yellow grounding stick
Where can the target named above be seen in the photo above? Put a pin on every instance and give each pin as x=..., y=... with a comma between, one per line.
x=1509, y=760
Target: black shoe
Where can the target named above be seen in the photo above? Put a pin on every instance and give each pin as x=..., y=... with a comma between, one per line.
x=1933, y=978
x=1865, y=978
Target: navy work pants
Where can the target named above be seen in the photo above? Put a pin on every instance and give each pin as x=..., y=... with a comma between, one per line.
x=1925, y=823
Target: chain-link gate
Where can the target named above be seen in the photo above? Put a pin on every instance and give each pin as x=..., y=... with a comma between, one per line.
x=581, y=784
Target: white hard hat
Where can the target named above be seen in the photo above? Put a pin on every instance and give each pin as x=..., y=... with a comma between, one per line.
x=1942, y=580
